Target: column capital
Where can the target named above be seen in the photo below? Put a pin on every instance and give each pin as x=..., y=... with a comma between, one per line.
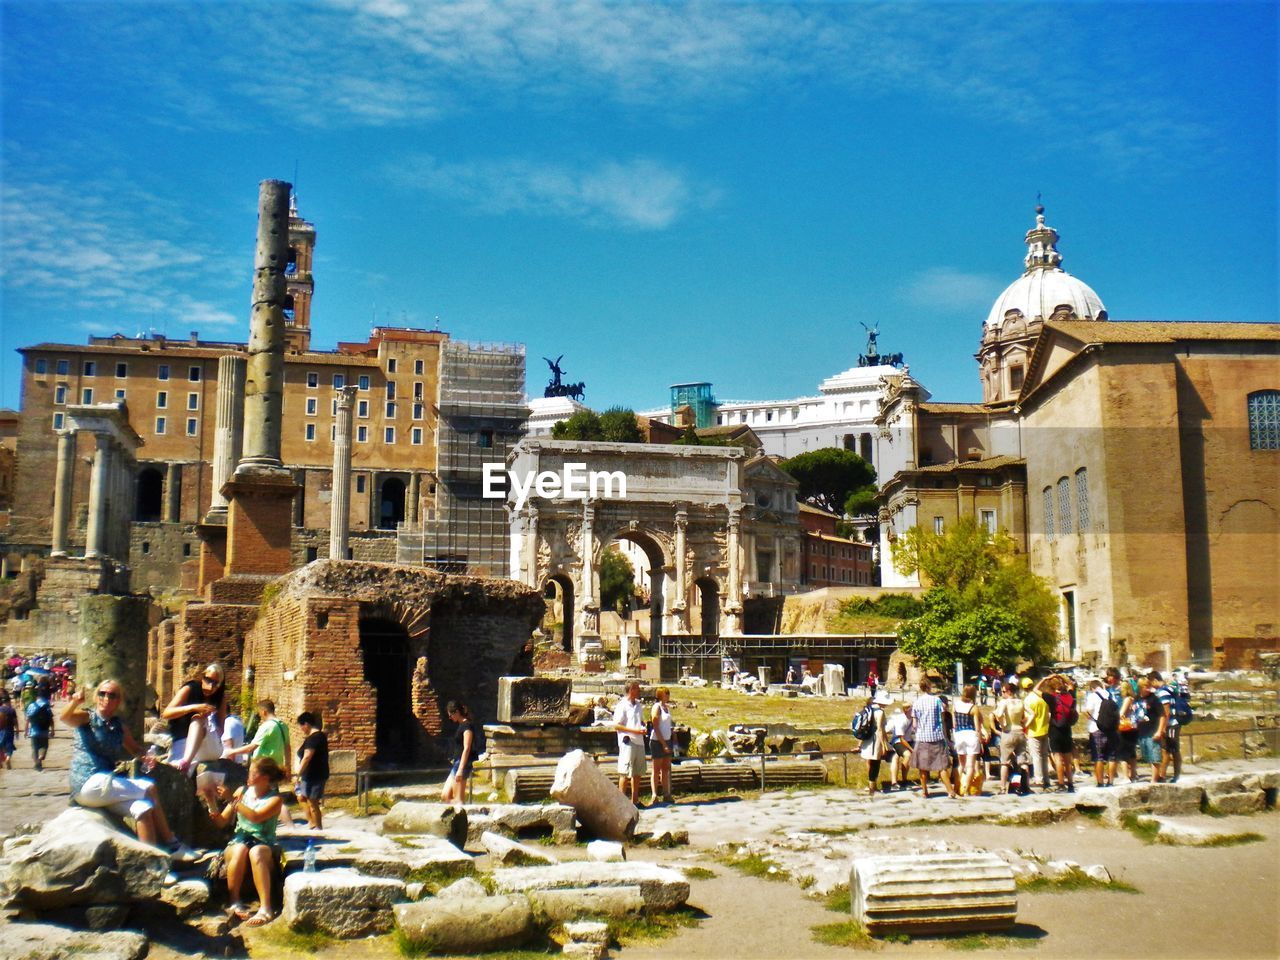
x=346, y=396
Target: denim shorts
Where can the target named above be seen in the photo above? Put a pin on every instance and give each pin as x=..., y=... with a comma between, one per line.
x=1148, y=750
x=311, y=789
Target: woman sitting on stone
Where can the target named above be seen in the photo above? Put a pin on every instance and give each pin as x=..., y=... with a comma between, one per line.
x=197, y=705
x=256, y=808
x=100, y=741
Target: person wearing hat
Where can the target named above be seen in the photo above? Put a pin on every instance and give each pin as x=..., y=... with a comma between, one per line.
x=1036, y=727
x=877, y=745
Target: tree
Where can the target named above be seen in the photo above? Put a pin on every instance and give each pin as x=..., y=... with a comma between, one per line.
x=862, y=501
x=618, y=425
x=617, y=579
x=583, y=425
x=828, y=477
x=984, y=606
x=690, y=436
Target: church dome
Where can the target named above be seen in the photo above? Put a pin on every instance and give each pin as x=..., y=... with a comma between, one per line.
x=1045, y=289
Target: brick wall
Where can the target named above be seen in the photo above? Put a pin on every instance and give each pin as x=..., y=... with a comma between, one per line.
x=259, y=528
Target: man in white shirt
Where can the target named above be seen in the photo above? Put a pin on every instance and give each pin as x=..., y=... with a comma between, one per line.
x=233, y=738
x=1102, y=737
x=628, y=719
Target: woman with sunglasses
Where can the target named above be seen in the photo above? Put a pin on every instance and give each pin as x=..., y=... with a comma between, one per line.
x=100, y=741
x=197, y=705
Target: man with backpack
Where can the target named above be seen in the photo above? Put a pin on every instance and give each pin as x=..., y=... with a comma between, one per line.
x=1175, y=711
x=40, y=725
x=1104, y=729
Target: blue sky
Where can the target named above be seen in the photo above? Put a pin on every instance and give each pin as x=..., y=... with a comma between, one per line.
x=659, y=192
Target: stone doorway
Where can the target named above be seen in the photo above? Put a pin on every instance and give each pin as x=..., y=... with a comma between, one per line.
x=558, y=592
x=709, y=605
x=149, y=498
x=388, y=668
x=391, y=503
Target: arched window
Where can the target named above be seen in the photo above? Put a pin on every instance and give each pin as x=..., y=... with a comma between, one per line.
x=1064, y=505
x=1048, y=512
x=1082, y=500
x=1264, y=420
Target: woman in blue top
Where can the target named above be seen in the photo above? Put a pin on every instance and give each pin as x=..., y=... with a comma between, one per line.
x=101, y=741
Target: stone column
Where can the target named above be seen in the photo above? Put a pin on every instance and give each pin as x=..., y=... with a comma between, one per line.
x=172, y=492
x=99, y=497
x=589, y=628
x=411, y=504
x=340, y=502
x=733, y=606
x=264, y=379
x=62, y=491
x=531, y=546
x=227, y=431
x=680, y=608
x=114, y=647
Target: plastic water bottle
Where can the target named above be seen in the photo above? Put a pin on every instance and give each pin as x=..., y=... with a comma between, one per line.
x=309, y=858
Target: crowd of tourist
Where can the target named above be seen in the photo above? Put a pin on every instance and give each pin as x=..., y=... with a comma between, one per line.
x=28, y=688
x=1030, y=733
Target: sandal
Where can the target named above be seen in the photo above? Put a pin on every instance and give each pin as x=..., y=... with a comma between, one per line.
x=259, y=919
x=239, y=911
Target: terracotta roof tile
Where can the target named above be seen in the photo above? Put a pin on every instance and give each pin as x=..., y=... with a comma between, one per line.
x=1162, y=331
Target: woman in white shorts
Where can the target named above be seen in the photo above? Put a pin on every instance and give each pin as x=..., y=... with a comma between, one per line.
x=967, y=736
x=101, y=741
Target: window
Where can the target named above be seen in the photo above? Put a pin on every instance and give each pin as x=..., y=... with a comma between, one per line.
x=391, y=411
x=1264, y=420
x=360, y=483
x=986, y=480
x=1082, y=500
x=313, y=379
x=193, y=401
x=391, y=390
x=186, y=549
x=417, y=368
x=417, y=436
x=146, y=547
x=1015, y=377
x=1048, y=512
x=485, y=439
x=122, y=370
x=417, y=411
x=364, y=381
x=90, y=368
x=333, y=433
x=938, y=525
x=60, y=393
x=311, y=431
x=362, y=408
x=339, y=381
x=57, y=421
x=86, y=395
x=989, y=520
x=362, y=434
x=160, y=426
x=311, y=406
x=162, y=399
x=42, y=366
x=192, y=423
x=162, y=372
x=391, y=365
x=768, y=416
x=193, y=374
x=64, y=367
x=1064, y=506
x=389, y=435
x=333, y=406
x=417, y=390
x=119, y=393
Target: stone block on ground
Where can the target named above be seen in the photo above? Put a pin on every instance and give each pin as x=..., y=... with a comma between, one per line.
x=606, y=851
x=1098, y=872
x=533, y=699
x=466, y=925
x=1163, y=799
x=341, y=903
x=432, y=819
x=466, y=888
x=587, y=931
x=934, y=893
x=511, y=853
x=80, y=857
x=572, y=903
x=186, y=896
x=428, y=855
x=583, y=950
x=598, y=803
x=46, y=941
x=519, y=821
x=1198, y=832
x=1246, y=801
x=662, y=888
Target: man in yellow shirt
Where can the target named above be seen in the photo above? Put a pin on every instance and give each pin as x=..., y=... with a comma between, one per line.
x=1036, y=725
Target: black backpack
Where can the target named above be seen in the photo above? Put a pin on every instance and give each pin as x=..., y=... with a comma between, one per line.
x=864, y=723
x=1108, y=718
x=43, y=716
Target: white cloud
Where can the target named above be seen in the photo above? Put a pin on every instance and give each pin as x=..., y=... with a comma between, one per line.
x=639, y=194
x=946, y=287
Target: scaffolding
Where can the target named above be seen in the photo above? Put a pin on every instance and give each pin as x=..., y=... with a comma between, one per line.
x=482, y=415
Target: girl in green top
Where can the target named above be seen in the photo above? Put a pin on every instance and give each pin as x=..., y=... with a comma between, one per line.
x=256, y=808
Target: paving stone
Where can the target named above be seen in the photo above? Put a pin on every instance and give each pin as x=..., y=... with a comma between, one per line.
x=509, y=853
x=462, y=889
x=46, y=941
x=661, y=887
x=466, y=925
x=341, y=903
x=429, y=854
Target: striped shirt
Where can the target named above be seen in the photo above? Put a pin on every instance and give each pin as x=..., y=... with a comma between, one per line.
x=927, y=711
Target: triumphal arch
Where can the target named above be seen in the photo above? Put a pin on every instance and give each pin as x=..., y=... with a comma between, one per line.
x=717, y=526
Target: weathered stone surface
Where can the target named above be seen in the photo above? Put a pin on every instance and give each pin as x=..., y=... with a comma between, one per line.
x=463, y=889
x=561, y=905
x=510, y=853
x=1246, y=801
x=431, y=854
x=1164, y=799
x=89, y=916
x=606, y=851
x=1098, y=872
x=471, y=925
x=533, y=699
x=599, y=805
x=1202, y=831
x=661, y=887
x=45, y=941
x=186, y=896
x=933, y=893
x=434, y=819
x=341, y=903
x=587, y=931
x=13, y=844
x=665, y=838
x=416, y=891
x=583, y=950
x=1055, y=869
x=517, y=820
x=79, y=857
x=113, y=644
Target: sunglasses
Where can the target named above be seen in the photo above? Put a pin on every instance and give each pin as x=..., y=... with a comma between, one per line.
x=108, y=695
x=209, y=679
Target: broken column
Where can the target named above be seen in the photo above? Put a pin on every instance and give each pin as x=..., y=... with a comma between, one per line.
x=340, y=505
x=62, y=491
x=933, y=893
x=113, y=646
x=599, y=804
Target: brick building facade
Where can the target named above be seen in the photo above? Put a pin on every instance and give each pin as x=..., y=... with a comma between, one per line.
x=827, y=558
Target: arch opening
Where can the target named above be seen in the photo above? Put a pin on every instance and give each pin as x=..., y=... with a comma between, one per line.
x=557, y=590
x=708, y=606
x=388, y=668
x=149, y=497
x=648, y=566
x=391, y=503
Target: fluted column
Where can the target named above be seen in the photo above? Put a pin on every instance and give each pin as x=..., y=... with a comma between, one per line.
x=589, y=627
x=62, y=481
x=340, y=503
x=531, y=546
x=733, y=608
x=680, y=607
x=99, y=497
x=227, y=431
